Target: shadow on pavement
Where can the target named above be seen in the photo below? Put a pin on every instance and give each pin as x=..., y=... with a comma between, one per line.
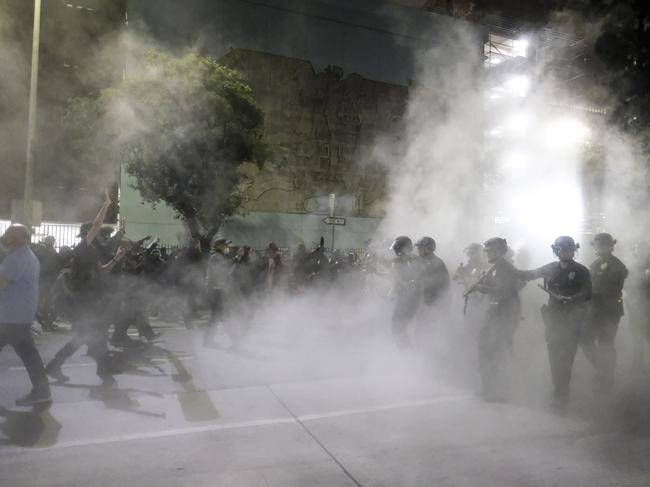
x=115, y=398
x=34, y=429
x=195, y=403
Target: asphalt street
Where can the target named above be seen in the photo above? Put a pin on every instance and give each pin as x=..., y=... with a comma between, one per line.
x=284, y=409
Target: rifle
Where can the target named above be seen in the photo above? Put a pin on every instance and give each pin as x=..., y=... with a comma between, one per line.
x=475, y=286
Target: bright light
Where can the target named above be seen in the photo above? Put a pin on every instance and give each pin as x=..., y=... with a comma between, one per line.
x=540, y=218
x=495, y=60
x=565, y=132
x=520, y=47
x=518, y=85
x=514, y=163
x=518, y=123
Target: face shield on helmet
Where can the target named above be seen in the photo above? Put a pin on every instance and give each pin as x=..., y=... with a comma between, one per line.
x=402, y=246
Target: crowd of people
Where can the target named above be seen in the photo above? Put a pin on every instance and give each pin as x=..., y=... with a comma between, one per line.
x=110, y=282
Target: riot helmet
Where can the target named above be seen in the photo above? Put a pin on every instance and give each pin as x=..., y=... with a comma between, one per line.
x=603, y=239
x=603, y=244
x=566, y=245
x=402, y=245
x=426, y=244
x=494, y=248
x=497, y=243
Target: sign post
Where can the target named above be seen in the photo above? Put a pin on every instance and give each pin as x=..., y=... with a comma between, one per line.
x=332, y=207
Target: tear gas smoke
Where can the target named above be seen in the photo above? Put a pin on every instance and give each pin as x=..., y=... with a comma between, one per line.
x=446, y=181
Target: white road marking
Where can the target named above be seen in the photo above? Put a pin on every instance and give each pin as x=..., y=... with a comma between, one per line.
x=386, y=407
x=233, y=425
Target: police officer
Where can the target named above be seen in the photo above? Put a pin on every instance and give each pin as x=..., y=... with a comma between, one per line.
x=501, y=286
x=432, y=274
x=608, y=274
x=638, y=303
x=568, y=285
x=468, y=273
x=406, y=289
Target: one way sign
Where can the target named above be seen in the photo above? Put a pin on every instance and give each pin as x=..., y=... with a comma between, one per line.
x=334, y=220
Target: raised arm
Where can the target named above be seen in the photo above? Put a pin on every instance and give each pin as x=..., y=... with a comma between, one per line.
x=99, y=219
x=108, y=267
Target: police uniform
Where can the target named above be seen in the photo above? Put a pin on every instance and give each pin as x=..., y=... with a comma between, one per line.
x=563, y=320
x=407, y=293
x=406, y=289
x=434, y=278
x=501, y=286
x=638, y=304
x=597, y=339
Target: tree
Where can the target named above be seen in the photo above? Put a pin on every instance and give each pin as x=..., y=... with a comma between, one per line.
x=622, y=46
x=181, y=127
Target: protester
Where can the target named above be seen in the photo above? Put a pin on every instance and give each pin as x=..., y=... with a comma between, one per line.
x=90, y=314
x=19, y=279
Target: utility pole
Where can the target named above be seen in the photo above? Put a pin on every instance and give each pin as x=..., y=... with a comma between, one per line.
x=28, y=204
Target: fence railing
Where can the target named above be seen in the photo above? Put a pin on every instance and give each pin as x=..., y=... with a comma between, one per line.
x=64, y=233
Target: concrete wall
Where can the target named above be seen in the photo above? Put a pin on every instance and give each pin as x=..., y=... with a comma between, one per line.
x=256, y=229
x=142, y=219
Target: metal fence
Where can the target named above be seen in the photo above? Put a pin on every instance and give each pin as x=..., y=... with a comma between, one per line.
x=64, y=233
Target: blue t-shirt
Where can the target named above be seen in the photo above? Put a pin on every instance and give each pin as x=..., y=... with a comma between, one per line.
x=19, y=298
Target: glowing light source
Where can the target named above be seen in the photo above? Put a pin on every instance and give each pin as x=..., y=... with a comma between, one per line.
x=514, y=163
x=565, y=132
x=518, y=123
x=520, y=47
x=518, y=85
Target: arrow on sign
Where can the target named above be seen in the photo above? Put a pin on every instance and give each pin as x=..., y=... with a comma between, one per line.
x=334, y=220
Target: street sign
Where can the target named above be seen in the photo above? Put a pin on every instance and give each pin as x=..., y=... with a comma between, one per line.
x=334, y=220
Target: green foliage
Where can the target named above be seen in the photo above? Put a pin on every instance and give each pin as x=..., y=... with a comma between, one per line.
x=182, y=127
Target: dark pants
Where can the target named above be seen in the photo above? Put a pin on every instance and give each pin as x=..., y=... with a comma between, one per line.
x=406, y=307
x=562, y=338
x=597, y=343
x=46, y=312
x=216, y=298
x=89, y=328
x=133, y=312
x=494, y=349
x=19, y=337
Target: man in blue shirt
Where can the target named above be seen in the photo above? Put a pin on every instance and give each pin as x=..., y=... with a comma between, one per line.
x=19, y=273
